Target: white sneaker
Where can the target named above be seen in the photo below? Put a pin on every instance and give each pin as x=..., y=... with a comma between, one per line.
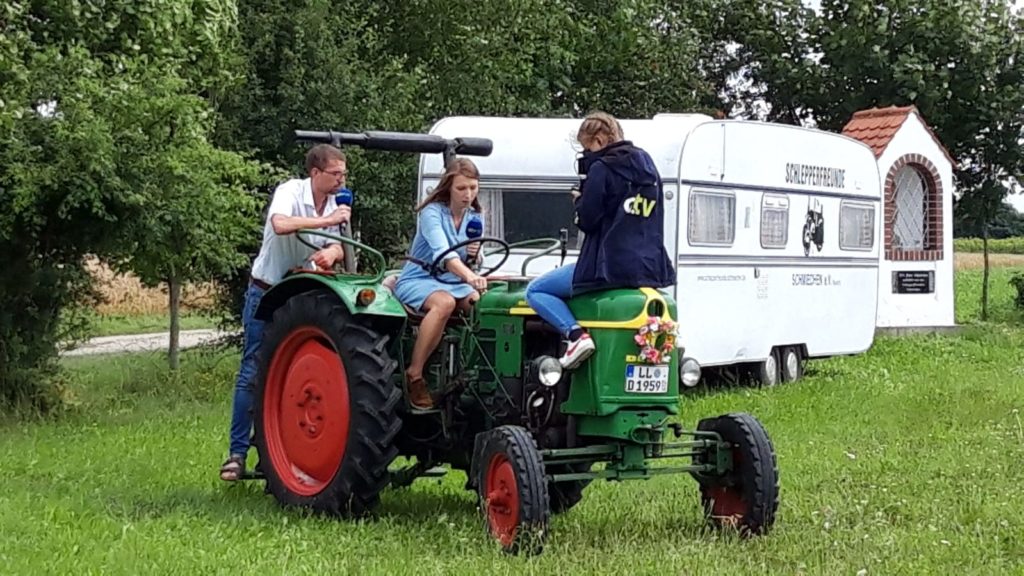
x=577, y=351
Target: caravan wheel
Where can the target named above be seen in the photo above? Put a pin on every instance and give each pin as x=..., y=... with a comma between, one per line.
x=792, y=364
x=768, y=373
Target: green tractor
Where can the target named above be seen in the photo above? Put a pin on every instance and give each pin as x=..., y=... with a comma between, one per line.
x=332, y=414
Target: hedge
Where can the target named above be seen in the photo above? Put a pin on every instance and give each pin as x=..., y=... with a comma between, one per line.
x=1001, y=246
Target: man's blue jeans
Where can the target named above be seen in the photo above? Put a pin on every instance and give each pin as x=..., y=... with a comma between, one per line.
x=547, y=294
x=241, y=412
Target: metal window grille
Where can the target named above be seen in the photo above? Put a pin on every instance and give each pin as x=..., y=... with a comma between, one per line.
x=910, y=222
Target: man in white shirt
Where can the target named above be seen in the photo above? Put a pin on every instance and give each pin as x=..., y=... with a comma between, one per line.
x=297, y=204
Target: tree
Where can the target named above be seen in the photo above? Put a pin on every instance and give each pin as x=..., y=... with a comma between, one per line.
x=1006, y=222
x=961, y=62
x=771, y=66
x=200, y=207
x=75, y=102
x=493, y=58
x=309, y=65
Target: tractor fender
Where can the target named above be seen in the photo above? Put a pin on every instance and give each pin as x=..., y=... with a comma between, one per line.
x=345, y=289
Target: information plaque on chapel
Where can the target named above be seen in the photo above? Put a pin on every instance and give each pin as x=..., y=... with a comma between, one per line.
x=913, y=282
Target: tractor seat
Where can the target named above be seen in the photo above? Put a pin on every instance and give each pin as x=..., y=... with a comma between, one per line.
x=415, y=316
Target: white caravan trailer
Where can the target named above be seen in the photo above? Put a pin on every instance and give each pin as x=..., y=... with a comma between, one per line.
x=775, y=229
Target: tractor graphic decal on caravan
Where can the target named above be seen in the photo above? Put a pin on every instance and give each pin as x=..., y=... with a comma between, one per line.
x=814, y=226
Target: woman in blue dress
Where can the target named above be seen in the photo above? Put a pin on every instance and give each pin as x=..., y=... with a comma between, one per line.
x=440, y=225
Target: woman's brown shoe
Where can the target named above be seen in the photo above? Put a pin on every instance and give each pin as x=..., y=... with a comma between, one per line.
x=419, y=396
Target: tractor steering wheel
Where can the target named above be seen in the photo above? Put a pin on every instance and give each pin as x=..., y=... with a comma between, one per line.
x=436, y=272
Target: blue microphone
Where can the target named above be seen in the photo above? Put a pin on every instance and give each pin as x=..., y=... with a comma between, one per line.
x=474, y=229
x=344, y=196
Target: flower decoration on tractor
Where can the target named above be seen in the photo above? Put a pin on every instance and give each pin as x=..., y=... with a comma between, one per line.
x=656, y=339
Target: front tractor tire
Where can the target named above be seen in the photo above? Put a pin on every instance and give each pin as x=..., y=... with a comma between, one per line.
x=513, y=489
x=325, y=410
x=746, y=498
x=566, y=495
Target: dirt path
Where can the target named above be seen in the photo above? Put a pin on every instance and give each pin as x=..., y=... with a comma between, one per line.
x=142, y=342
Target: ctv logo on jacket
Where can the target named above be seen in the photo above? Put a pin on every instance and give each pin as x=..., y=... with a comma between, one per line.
x=639, y=206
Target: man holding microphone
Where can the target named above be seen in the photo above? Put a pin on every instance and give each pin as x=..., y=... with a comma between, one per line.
x=297, y=204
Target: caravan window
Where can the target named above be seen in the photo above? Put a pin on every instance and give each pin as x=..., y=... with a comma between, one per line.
x=517, y=214
x=774, y=221
x=712, y=218
x=856, y=226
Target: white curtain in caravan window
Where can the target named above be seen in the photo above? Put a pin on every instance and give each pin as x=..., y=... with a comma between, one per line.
x=494, y=218
x=712, y=218
x=856, y=226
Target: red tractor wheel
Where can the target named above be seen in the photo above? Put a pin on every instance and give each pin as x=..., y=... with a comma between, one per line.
x=306, y=412
x=513, y=489
x=746, y=497
x=325, y=414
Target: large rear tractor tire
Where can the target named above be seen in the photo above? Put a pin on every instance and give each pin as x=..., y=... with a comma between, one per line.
x=325, y=414
x=745, y=498
x=513, y=490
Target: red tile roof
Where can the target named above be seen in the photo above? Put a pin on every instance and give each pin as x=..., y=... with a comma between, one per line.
x=876, y=127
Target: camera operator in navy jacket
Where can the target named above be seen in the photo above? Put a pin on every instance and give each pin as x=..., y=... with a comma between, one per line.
x=620, y=210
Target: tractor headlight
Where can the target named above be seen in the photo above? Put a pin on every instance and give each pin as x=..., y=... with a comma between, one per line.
x=689, y=372
x=365, y=297
x=548, y=370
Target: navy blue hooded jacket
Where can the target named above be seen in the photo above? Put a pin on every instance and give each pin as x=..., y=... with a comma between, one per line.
x=621, y=212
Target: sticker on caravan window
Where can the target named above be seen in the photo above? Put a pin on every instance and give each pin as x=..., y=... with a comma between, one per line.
x=824, y=176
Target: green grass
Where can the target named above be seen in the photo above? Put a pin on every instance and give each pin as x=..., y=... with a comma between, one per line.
x=967, y=287
x=112, y=325
x=908, y=459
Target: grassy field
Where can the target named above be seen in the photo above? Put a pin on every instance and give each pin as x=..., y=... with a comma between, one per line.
x=906, y=460
x=114, y=324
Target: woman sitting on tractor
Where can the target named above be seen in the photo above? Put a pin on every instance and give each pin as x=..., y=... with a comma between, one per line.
x=442, y=223
x=620, y=212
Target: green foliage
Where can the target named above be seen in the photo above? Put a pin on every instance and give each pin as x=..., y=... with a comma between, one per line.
x=198, y=202
x=961, y=62
x=633, y=59
x=1004, y=222
x=1017, y=281
x=757, y=50
x=501, y=58
x=97, y=100
x=1001, y=246
x=405, y=65
x=312, y=66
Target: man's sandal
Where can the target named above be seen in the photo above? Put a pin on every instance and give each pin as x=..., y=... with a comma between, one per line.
x=233, y=468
